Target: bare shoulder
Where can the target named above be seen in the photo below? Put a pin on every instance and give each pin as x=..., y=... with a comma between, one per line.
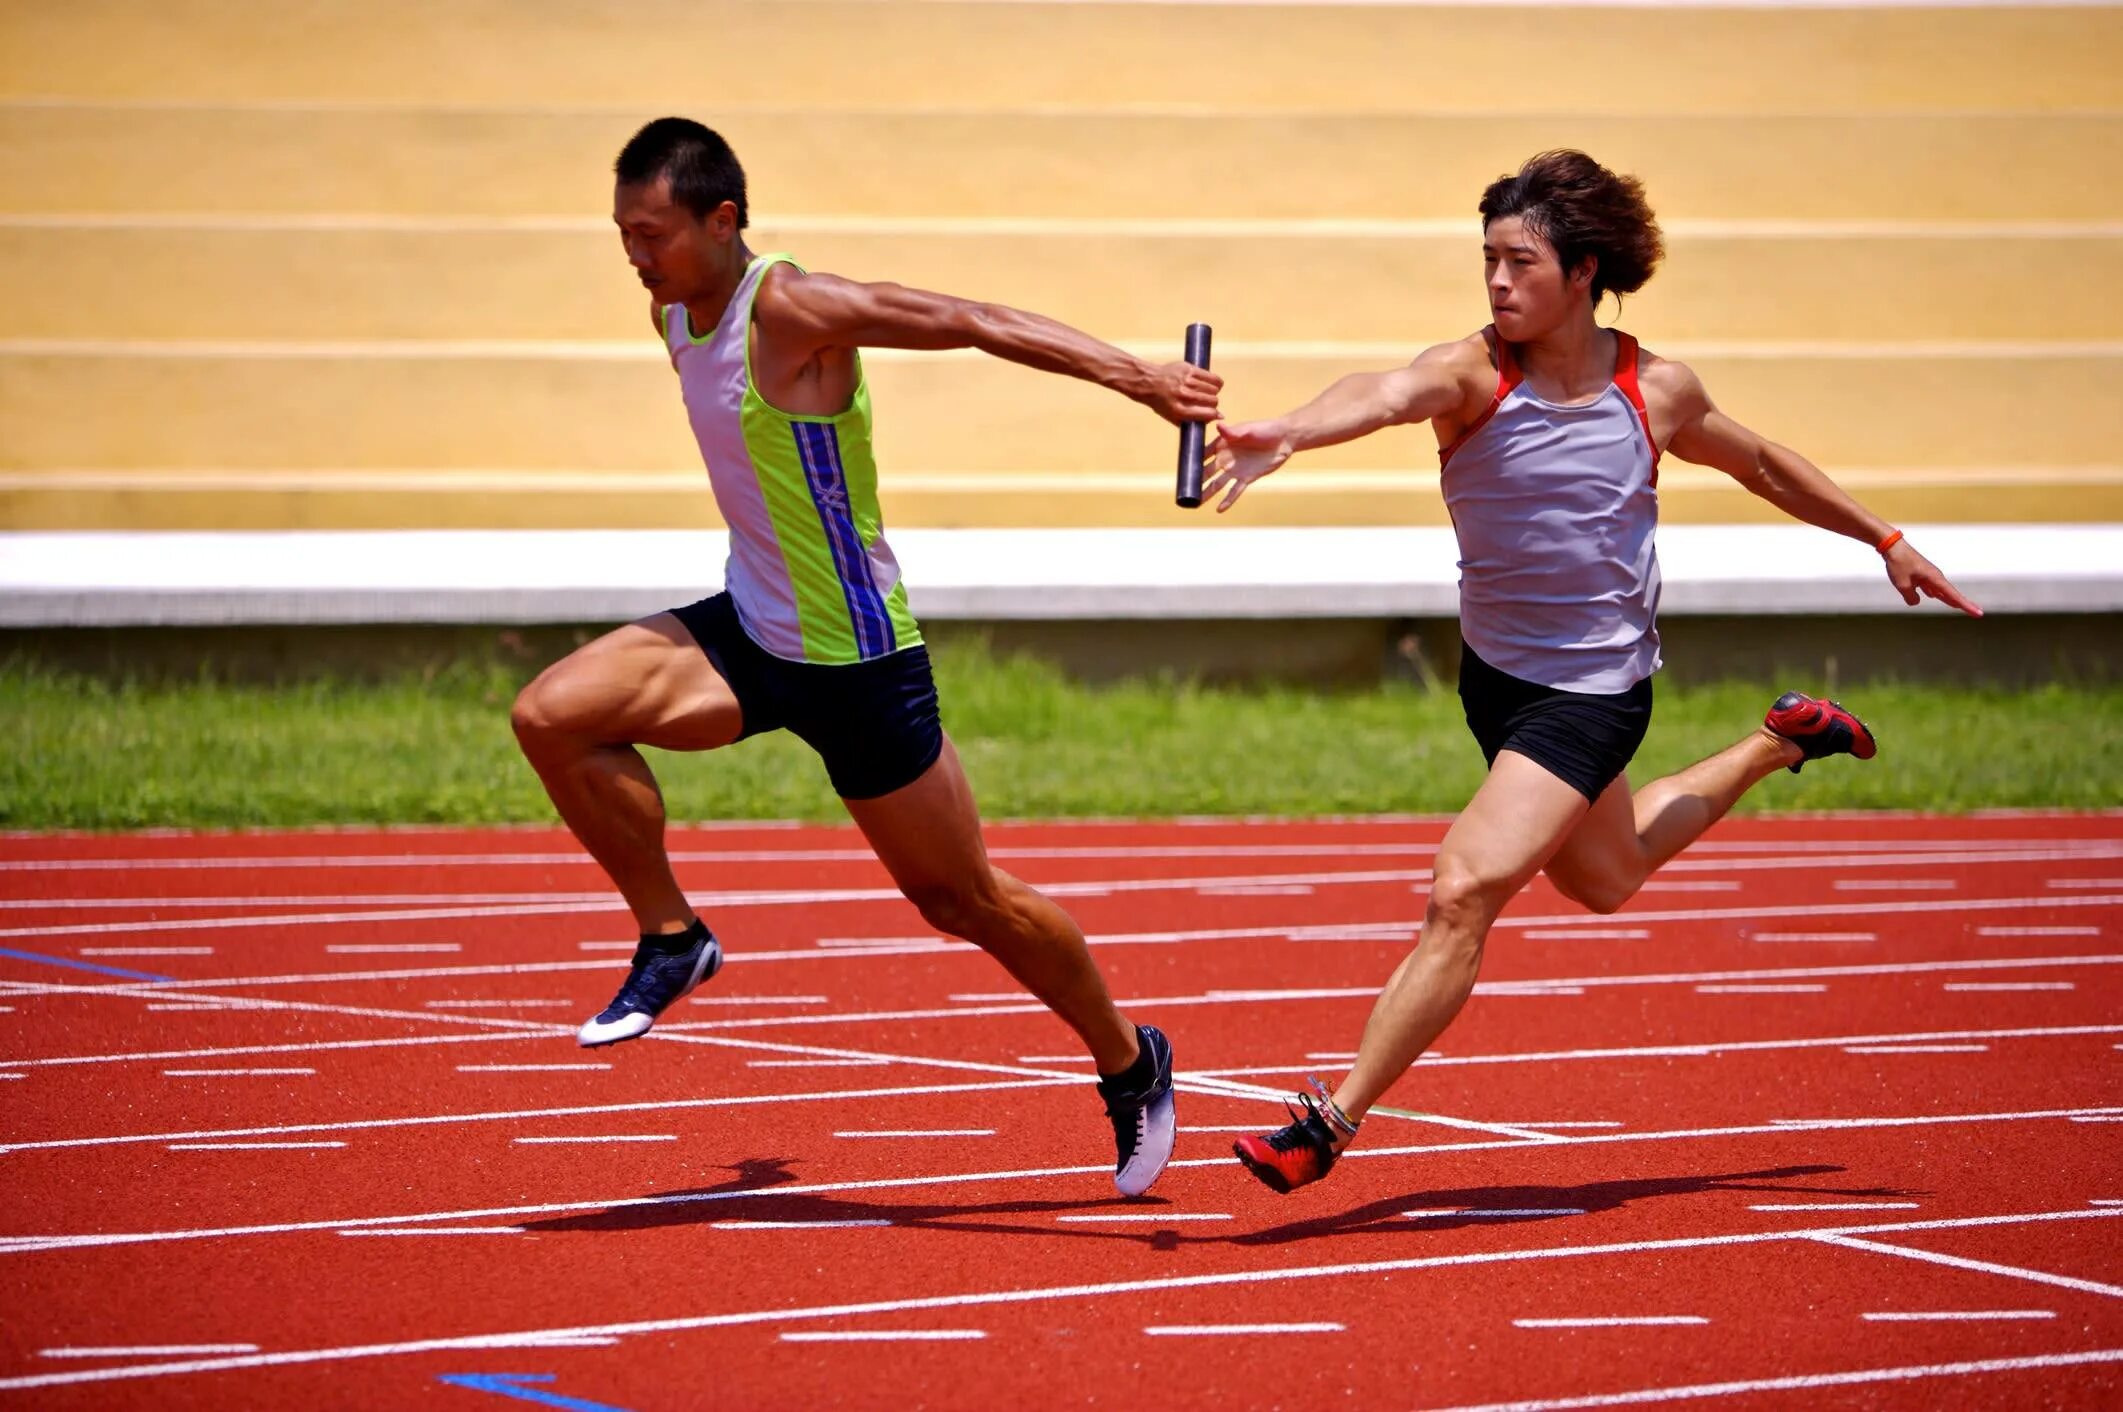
x=1667, y=375
x=1467, y=361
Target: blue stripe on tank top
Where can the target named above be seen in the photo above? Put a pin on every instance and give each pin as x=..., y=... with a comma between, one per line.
x=829, y=498
x=865, y=577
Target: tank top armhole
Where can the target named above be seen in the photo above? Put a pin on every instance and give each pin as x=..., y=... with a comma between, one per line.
x=1625, y=377
x=1508, y=376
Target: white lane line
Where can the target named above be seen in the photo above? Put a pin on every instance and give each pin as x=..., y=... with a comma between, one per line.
x=1486, y=1213
x=1216, y=1330
x=428, y=1120
x=1916, y=1049
x=626, y=946
x=605, y=1137
x=442, y=1231
x=1620, y=1321
x=794, y=1225
x=1161, y=1218
x=529, y=1068
x=816, y=1063
x=2046, y=848
x=1895, y=884
x=883, y=1336
x=1932, y=1257
x=499, y=1004
x=147, y=951
x=2038, y=931
x=2098, y=883
x=1837, y=1206
x=2010, y=985
x=228, y=1051
x=1914, y=1316
x=193, y=1008
x=2103, y=1118
x=1759, y=989
x=1330, y=1055
x=1505, y=990
x=1053, y=1058
x=917, y=1132
x=250, y=1146
x=148, y=1350
x=1801, y=1382
x=990, y=997
x=4, y=1077
x=1688, y=885
x=1545, y=1124
x=1812, y=936
x=1027, y=1296
x=410, y=948
x=1589, y=934
x=1223, y=1127
x=2106, y=1201
x=766, y=999
x=1256, y=890
x=226, y=1073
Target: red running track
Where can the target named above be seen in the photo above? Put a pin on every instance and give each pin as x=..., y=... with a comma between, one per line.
x=1831, y=1115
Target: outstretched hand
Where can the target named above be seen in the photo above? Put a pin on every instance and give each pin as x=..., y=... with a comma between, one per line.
x=1241, y=454
x=1915, y=576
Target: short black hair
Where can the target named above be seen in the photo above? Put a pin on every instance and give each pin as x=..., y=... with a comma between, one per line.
x=703, y=170
x=1581, y=208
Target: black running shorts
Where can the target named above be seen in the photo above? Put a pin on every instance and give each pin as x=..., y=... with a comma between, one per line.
x=1584, y=740
x=874, y=723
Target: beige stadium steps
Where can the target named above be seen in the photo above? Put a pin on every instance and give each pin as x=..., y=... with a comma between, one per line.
x=280, y=407
x=1956, y=165
x=1302, y=495
x=972, y=56
x=58, y=282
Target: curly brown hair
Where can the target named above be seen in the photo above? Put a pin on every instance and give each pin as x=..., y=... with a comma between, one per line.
x=1582, y=209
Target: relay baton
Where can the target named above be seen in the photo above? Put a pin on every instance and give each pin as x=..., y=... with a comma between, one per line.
x=1189, y=494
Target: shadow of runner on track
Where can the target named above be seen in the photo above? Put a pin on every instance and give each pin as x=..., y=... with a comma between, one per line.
x=1543, y=1203
x=752, y=1196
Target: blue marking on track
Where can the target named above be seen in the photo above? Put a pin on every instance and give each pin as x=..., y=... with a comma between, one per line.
x=81, y=965
x=512, y=1385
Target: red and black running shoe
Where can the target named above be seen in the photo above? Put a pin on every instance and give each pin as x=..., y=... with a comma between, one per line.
x=1294, y=1156
x=1819, y=728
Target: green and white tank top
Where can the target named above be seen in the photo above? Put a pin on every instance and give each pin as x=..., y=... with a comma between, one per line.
x=809, y=571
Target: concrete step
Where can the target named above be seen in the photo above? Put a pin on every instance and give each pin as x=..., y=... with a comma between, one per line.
x=642, y=54
x=135, y=161
x=152, y=283
x=355, y=500
x=616, y=407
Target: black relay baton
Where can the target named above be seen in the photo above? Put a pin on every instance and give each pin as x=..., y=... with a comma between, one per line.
x=1189, y=494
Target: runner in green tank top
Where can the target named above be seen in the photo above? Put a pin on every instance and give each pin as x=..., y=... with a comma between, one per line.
x=813, y=633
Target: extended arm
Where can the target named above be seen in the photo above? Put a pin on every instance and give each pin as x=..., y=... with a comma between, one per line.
x=812, y=313
x=1357, y=405
x=1796, y=486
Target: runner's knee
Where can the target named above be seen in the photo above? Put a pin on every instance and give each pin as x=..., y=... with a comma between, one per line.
x=960, y=908
x=1603, y=895
x=1464, y=901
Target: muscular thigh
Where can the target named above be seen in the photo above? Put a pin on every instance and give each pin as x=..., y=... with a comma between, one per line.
x=927, y=833
x=1603, y=846
x=1512, y=826
x=647, y=683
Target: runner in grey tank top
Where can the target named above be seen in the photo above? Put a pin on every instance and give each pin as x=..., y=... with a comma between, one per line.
x=1551, y=429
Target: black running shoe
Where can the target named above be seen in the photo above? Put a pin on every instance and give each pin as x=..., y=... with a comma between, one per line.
x=1293, y=1156
x=1819, y=728
x=654, y=983
x=1143, y=1124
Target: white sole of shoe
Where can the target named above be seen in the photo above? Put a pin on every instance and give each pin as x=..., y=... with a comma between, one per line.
x=595, y=1034
x=1153, y=1152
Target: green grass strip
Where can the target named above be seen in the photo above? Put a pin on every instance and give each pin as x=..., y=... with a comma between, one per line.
x=86, y=753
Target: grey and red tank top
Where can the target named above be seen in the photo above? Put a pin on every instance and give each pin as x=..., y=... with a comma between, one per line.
x=1555, y=508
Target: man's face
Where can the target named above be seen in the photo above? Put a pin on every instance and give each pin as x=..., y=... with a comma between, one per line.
x=1528, y=292
x=672, y=250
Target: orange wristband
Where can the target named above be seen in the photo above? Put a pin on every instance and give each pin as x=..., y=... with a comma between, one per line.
x=1890, y=542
